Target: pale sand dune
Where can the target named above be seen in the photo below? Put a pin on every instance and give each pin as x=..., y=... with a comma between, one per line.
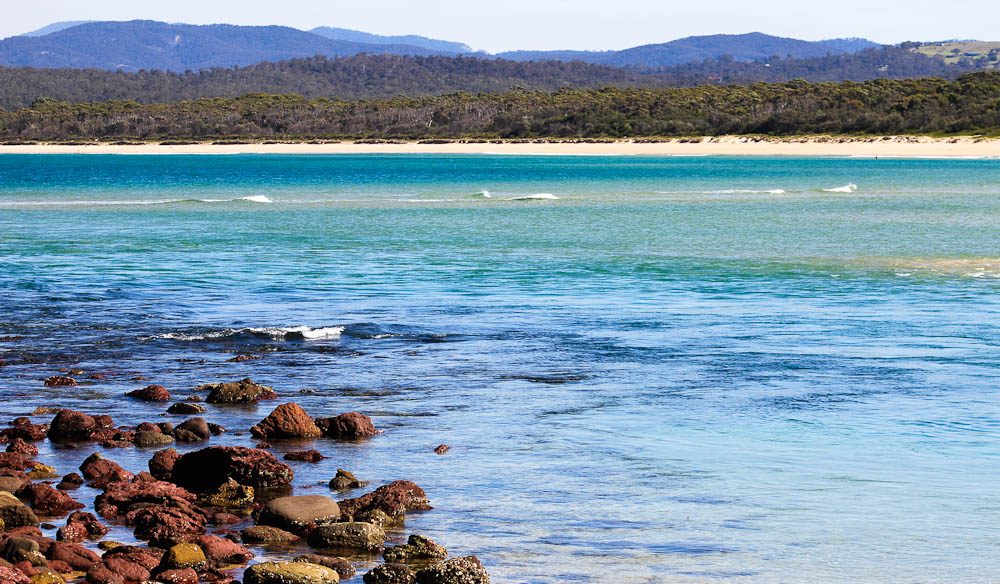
x=729, y=145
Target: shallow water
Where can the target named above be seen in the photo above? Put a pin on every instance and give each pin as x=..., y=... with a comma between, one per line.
x=664, y=370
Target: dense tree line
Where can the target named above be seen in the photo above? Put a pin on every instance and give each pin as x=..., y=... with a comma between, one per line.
x=968, y=104
x=385, y=76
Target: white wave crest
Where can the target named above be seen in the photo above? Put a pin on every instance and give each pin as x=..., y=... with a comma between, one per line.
x=848, y=188
x=536, y=197
x=275, y=333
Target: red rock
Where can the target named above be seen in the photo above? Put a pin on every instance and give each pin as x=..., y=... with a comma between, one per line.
x=60, y=566
x=126, y=570
x=13, y=462
x=11, y=575
x=72, y=426
x=287, y=421
x=180, y=576
x=151, y=393
x=240, y=392
x=24, y=429
x=120, y=498
x=193, y=430
x=223, y=551
x=166, y=526
x=77, y=556
x=101, y=472
x=81, y=526
x=313, y=456
x=60, y=381
x=223, y=518
x=101, y=574
x=148, y=558
x=349, y=426
x=104, y=421
x=207, y=469
x=47, y=501
x=26, y=568
x=162, y=464
x=394, y=499
x=19, y=446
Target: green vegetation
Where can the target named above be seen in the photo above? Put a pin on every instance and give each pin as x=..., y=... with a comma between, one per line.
x=979, y=54
x=970, y=104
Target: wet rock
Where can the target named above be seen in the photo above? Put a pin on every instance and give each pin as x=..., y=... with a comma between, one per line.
x=184, y=555
x=166, y=526
x=81, y=526
x=47, y=501
x=390, y=574
x=70, y=482
x=183, y=408
x=243, y=358
x=24, y=429
x=12, y=484
x=224, y=552
x=442, y=449
x=121, y=498
x=231, y=495
x=193, y=430
x=417, y=549
x=20, y=446
x=267, y=534
x=151, y=393
x=312, y=456
x=345, y=481
x=44, y=576
x=348, y=536
x=161, y=465
x=240, y=392
x=342, y=566
x=207, y=469
x=349, y=426
x=74, y=554
x=297, y=513
x=177, y=576
x=224, y=518
x=151, y=439
x=101, y=574
x=468, y=570
x=9, y=575
x=290, y=573
x=14, y=463
x=287, y=421
x=38, y=471
x=393, y=501
x=131, y=563
x=60, y=381
x=14, y=513
x=216, y=429
x=72, y=426
x=19, y=549
x=100, y=472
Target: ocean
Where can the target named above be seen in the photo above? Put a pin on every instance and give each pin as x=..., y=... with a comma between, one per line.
x=675, y=369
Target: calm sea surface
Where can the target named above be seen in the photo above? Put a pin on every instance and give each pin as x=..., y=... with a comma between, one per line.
x=649, y=369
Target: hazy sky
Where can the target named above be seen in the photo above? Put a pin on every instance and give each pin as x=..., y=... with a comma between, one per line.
x=550, y=24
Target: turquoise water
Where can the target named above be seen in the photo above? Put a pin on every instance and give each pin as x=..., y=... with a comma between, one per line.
x=649, y=369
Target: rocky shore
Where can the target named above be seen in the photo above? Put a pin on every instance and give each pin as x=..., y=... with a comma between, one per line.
x=206, y=514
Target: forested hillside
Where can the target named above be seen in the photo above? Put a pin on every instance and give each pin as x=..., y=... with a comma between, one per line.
x=969, y=104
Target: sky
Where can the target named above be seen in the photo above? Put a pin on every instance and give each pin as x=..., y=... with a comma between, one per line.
x=551, y=24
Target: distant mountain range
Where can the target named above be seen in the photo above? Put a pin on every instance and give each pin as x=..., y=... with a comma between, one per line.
x=144, y=45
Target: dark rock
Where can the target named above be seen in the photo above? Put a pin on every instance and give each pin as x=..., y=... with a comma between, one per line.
x=287, y=421
x=151, y=393
x=243, y=358
x=342, y=566
x=267, y=534
x=20, y=446
x=182, y=408
x=312, y=456
x=240, y=392
x=81, y=526
x=100, y=472
x=216, y=429
x=348, y=536
x=224, y=552
x=166, y=526
x=60, y=381
x=298, y=513
x=72, y=426
x=14, y=461
x=390, y=574
x=24, y=429
x=19, y=549
x=74, y=554
x=417, y=549
x=349, y=426
x=121, y=498
x=207, y=469
x=47, y=501
x=14, y=514
x=393, y=501
x=442, y=449
x=193, y=430
x=11, y=483
x=161, y=465
x=468, y=570
x=345, y=481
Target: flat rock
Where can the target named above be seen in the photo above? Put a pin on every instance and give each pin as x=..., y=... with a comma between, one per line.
x=290, y=573
x=348, y=536
x=297, y=513
x=239, y=392
x=267, y=534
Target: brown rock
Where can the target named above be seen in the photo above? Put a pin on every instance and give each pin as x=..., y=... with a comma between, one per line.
x=167, y=526
x=342, y=566
x=100, y=472
x=151, y=393
x=224, y=552
x=14, y=514
x=47, y=501
x=394, y=500
x=101, y=574
x=207, y=469
x=240, y=392
x=12, y=576
x=182, y=408
x=20, y=446
x=267, y=534
x=345, y=480
x=287, y=421
x=81, y=526
x=417, y=549
x=60, y=381
x=390, y=574
x=14, y=462
x=193, y=430
x=72, y=426
x=161, y=465
x=121, y=498
x=468, y=570
x=77, y=556
x=442, y=449
x=297, y=513
x=349, y=426
x=312, y=456
x=348, y=536
x=178, y=576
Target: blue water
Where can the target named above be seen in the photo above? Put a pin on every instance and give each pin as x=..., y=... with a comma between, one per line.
x=651, y=370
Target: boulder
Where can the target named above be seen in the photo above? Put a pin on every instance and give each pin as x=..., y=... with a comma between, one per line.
x=267, y=534
x=290, y=573
x=10, y=575
x=287, y=422
x=81, y=526
x=24, y=429
x=349, y=426
x=231, y=495
x=240, y=392
x=468, y=570
x=14, y=513
x=100, y=472
x=342, y=566
x=207, y=469
x=20, y=446
x=390, y=574
x=184, y=555
x=161, y=465
x=417, y=549
x=121, y=498
x=14, y=462
x=45, y=576
x=183, y=408
x=12, y=484
x=345, y=481
x=392, y=501
x=101, y=574
x=298, y=513
x=312, y=456
x=151, y=393
x=72, y=426
x=193, y=430
x=47, y=501
x=150, y=439
x=224, y=552
x=60, y=381
x=177, y=576
x=70, y=482
x=167, y=526
x=348, y=536
x=74, y=554
x=19, y=549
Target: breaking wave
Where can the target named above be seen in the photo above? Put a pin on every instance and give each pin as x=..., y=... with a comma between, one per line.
x=302, y=333
x=848, y=188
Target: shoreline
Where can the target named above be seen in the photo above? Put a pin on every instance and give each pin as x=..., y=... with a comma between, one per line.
x=864, y=147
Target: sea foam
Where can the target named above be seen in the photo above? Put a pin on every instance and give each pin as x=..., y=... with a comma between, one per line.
x=848, y=188
x=274, y=333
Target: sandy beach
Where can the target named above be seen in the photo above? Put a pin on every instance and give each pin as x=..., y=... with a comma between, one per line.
x=889, y=146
